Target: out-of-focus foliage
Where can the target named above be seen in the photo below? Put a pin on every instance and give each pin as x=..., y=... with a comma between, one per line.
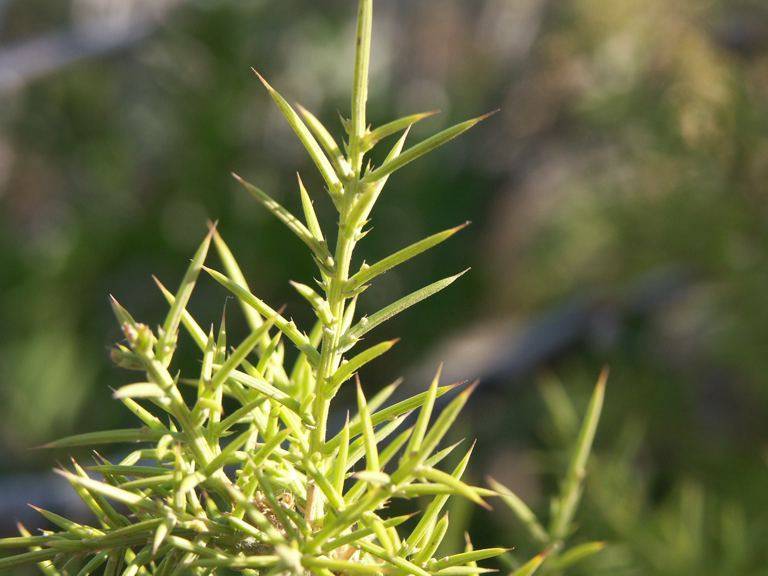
x=652, y=529
x=656, y=159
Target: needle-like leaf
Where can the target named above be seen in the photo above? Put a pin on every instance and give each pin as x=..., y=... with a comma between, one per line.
x=229, y=450
x=306, y=138
x=267, y=389
x=139, y=390
x=374, y=136
x=531, y=567
x=240, y=353
x=572, y=486
x=366, y=324
x=122, y=315
x=432, y=540
x=309, y=212
x=326, y=140
x=574, y=555
x=431, y=489
x=390, y=413
x=166, y=342
x=234, y=272
x=318, y=247
x=524, y=514
x=397, y=562
x=319, y=304
x=442, y=424
x=466, y=557
x=93, y=564
x=346, y=370
x=460, y=487
x=362, y=533
x=287, y=327
x=149, y=419
x=197, y=333
x=369, y=437
x=118, y=494
x=422, y=148
x=339, y=467
x=98, y=505
x=368, y=273
x=427, y=520
x=357, y=448
x=107, y=437
x=341, y=566
x=424, y=414
x=27, y=558
x=66, y=524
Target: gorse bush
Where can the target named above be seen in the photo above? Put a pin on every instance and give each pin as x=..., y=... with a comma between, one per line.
x=245, y=476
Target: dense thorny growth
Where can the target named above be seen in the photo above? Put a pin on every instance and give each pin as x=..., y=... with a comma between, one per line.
x=263, y=488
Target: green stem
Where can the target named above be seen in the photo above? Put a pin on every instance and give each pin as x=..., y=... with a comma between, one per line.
x=349, y=228
x=360, y=86
x=330, y=356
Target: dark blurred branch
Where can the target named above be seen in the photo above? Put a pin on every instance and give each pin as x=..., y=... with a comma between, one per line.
x=28, y=60
x=46, y=490
x=743, y=32
x=503, y=353
x=32, y=59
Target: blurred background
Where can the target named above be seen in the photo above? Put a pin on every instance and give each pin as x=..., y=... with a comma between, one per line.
x=619, y=218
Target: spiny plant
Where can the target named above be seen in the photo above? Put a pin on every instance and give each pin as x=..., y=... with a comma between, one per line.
x=556, y=557
x=244, y=476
